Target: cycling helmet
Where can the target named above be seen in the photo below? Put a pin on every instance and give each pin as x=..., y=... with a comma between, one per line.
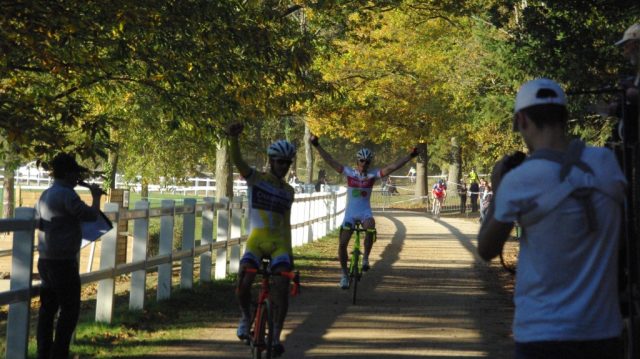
x=282, y=149
x=440, y=181
x=364, y=154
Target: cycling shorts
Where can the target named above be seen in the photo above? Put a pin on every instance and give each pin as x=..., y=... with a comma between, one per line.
x=263, y=242
x=349, y=221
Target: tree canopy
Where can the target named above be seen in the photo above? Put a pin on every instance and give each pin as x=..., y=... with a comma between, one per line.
x=158, y=81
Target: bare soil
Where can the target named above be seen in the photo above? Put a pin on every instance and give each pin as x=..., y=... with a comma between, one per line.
x=427, y=295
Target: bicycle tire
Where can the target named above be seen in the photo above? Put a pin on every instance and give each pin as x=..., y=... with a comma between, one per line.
x=353, y=276
x=264, y=333
x=509, y=255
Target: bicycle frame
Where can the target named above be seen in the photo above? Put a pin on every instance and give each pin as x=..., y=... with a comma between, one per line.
x=437, y=206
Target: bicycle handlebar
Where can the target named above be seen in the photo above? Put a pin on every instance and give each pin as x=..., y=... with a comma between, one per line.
x=294, y=276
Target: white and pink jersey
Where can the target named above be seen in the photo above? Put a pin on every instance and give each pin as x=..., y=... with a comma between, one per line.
x=359, y=187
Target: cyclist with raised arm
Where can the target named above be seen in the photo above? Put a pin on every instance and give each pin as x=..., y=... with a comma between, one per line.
x=439, y=193
x=360, y=181
x=270, y=200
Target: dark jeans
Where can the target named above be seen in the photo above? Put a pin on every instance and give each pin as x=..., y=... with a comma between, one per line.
x=463, y=204
x=587, y=349
x=474, y=203
x=60, y=290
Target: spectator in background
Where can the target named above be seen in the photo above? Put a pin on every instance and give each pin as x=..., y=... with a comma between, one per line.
x=412, y=174
x=293, y=179
x=487, y=196
x=474, y=191
x=473, y=176
x=462, y=193
x=322, y=180
x=391, y=186
x=60, y=211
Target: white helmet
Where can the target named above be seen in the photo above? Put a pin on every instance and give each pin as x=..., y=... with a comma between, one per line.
x=364, y=154
x=282, y=149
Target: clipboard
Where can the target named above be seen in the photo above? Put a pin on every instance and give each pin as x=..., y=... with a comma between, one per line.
x=93, y=230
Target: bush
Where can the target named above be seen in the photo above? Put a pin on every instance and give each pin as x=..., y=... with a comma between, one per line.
x=154, y=235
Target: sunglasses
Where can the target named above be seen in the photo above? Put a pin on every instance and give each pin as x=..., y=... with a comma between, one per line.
x=364, y=161
x=282, y=161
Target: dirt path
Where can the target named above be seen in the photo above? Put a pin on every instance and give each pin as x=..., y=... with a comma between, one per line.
x=427, y=295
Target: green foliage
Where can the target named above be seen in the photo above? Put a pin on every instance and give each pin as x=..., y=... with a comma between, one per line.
x=156, y=82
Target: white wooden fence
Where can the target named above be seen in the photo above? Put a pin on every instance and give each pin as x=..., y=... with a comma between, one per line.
x=312, y=217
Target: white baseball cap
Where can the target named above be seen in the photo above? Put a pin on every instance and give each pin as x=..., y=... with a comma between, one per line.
x=539, y=92
x=632, y=33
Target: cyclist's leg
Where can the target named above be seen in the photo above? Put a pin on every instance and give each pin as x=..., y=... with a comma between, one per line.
x=346, y=230
x=281, y=262
x=250, y=259
x=370, y=225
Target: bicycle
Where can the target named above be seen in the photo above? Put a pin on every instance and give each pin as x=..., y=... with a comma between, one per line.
x=261, y=335
x=355, y=264
x=437, y=206
x=510, y=251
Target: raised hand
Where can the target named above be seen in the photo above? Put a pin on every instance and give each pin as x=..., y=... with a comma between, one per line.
x=235, y=129
x=314, y=140
x=414, y=152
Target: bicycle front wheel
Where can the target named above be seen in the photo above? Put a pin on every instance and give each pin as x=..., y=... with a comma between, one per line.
x=354, y=278
x=509, y=255
x=263, y=336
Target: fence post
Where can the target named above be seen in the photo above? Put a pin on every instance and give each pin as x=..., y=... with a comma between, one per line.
x=140, y=241
x=21, y=268
x=309, y=213
x=328, y=205
x=165, y=248
x=222, y=235
x=294, y=220
x=207, y=238
x=188, y=242
x=106, y=287
x=236, y=232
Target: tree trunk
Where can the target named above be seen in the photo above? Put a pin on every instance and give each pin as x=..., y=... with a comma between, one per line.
x=144, y=189
x=224, y=175
x=455, y=165
x=308, y=153
x=114, y=157
x=11, y=164
x=8, y=191
x=421, y=172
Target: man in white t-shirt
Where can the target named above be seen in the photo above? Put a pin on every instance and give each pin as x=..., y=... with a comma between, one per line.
x=360, y=181
x=568, y=199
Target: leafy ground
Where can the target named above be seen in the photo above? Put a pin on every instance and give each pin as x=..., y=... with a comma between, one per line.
x=140, y=332
x=148, y=331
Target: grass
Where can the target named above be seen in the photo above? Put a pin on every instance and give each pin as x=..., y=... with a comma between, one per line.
x=137, y=333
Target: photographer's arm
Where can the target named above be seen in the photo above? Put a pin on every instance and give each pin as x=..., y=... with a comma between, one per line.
x=492, y=236
x=494, y=233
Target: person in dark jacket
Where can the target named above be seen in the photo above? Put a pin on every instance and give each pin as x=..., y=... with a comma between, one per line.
x=474, y=191
x=60, y=212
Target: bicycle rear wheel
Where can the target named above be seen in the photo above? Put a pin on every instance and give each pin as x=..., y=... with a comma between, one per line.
x=262, y=341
